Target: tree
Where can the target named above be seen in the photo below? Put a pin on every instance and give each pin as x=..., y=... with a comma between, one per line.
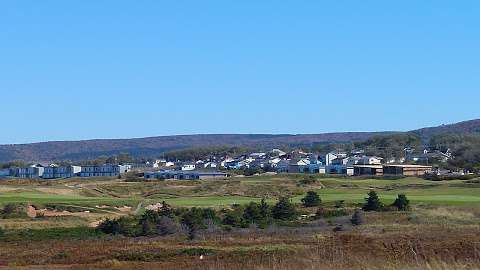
x=166, y=210
x=194, y=219
x=124, y=225
x=284, y=209
x=252, y=213
x=264, y=209
x=402, y=203
x=373, y=203
x=358, y=217
x=232, y=218
x=311, y=199
x=148, y=222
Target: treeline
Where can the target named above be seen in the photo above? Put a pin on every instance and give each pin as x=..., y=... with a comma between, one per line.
x=386, y=146
x=465, y=149
x=390, y=146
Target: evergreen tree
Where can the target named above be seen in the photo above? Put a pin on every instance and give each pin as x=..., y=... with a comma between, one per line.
x=402, y=203
x=311, y=199
x=166, y=210
x=264, y=209
x=284, y=209
x=373, y=203
x=252, y=213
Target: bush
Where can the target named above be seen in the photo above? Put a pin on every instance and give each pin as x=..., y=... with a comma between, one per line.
x=308, y=180
x=325, y=213
x=373, y=203
x=284, y=209
x=167, y=226
x=340, y=204
x=125, y=226
x=14, y=210
x=358, y=218
x=2, y=233
x=311, y=199
x=402, y=203
x=194, y=219
x=233, y=217
x=251, y=213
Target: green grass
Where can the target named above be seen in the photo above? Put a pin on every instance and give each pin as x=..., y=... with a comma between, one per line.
x=44, y=198
x=218, y=193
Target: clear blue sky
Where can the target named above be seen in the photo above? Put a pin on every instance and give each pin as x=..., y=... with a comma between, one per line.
x=118, y=69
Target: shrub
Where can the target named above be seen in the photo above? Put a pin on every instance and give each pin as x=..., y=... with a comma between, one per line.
x=2, y=233
x=340, y=204
x=167, y=226
x=124, y=226
x=324, y=213
x=358, y=217
x=251, y=213
x=194, y=218
x=284, y=209
x=308, y=180
x=402, y=203
x=14, y=210
x=232, y=218
x=311, y=199
x=373, y=203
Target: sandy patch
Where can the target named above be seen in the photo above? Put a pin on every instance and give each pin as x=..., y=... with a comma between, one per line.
x=154, y=207
x=124, y=209
x=58, y=191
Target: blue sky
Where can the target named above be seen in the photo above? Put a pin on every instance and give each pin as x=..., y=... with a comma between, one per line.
x=119, y=69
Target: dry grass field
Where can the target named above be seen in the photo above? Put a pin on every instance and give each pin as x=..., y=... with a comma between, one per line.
x=441, y=231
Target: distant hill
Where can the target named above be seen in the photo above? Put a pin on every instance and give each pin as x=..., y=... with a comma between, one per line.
x=472, y=126
x=154, y=146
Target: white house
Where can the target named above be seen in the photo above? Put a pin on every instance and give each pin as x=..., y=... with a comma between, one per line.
x=188, y=167
x=332, y=156
x=169, y=164
x=277, y=152
x=370, y=160
x=210, y=165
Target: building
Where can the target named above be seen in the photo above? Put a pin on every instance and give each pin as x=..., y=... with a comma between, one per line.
x=53, y=171
x=406, y=170
x=188, y=167
x=103, y=170
x=359, y=170
x=34, y=171
x=258, y=155
x=332, y=156
x=4, y=173
x=340, y=169
x=277, y=153
x=369, y=160
x=210, y=165
x=185, y=175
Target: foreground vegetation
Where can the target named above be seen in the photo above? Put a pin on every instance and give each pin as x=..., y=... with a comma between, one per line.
x=241, y=223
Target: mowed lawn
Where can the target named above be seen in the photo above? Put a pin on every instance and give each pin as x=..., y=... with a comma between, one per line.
x=44, y=198
x=350, y=190
x=419, y=191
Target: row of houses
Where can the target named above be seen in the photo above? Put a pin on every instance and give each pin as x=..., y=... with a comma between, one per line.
x=54, y=171
x=354, y=163
x=184, y=175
